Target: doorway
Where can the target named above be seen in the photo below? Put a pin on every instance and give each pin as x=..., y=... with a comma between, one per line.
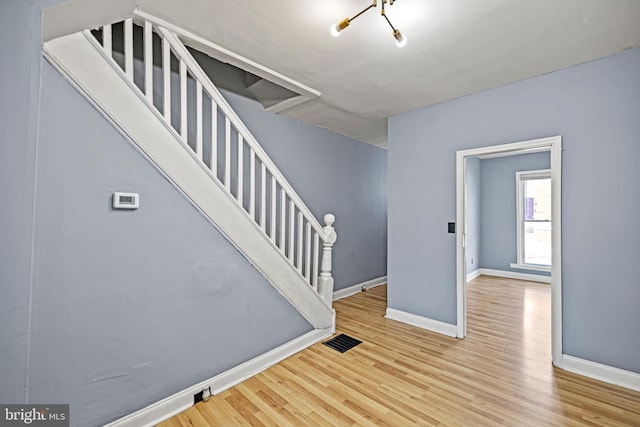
x=554, y=146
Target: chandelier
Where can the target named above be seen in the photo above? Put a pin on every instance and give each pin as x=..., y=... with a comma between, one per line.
x=401, y=39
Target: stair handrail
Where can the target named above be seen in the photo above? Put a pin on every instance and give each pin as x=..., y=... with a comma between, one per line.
x=192, y=65
x=320, y=278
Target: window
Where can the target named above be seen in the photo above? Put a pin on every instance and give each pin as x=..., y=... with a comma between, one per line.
x=533, y=190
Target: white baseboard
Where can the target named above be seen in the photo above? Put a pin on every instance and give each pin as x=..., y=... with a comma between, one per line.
x=422, y=322
x=172, y=405
x=475, y=273
x=352, y=290
x=601, y=372
x=509, y=275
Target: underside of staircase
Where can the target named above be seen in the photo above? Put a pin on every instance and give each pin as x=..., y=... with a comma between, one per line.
x=168, y=107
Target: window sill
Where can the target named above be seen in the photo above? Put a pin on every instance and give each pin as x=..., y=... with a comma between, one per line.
x=530, y=267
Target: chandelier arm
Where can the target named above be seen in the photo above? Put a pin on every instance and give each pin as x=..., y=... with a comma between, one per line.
x=363, y=11
x=401, y=40
x=389, y=22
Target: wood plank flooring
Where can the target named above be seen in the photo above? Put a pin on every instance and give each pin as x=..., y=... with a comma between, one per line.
x=501, y=374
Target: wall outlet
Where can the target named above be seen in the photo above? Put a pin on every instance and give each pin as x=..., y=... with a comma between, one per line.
x=471, y=261
x=203, y=396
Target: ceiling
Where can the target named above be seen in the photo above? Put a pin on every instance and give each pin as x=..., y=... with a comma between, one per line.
x=455, y=48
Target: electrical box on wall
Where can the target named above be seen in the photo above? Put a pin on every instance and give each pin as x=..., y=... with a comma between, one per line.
x=126, y=200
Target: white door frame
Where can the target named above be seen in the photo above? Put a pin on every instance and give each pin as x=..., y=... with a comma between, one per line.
x=554, y=146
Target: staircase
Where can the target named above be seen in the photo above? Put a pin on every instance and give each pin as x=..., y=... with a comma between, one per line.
x=145, y=81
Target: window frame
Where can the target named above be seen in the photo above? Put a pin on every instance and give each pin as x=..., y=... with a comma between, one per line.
x=521, y=177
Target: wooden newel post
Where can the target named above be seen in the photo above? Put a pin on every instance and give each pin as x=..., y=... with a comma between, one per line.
x=325, y=281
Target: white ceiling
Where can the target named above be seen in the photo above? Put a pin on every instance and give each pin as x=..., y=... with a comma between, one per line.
x=455, y=48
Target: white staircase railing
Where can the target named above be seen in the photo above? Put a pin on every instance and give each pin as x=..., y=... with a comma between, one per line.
x=221, y=144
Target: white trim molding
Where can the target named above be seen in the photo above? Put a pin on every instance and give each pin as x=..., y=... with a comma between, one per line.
x=509, y=275
x=521, y=178
x=172, y=405
x=359, y=287
x=474, y=274
x=598, y=371
x=305, y=93
x=422, y=322
x=530, y=267
x=554, y=146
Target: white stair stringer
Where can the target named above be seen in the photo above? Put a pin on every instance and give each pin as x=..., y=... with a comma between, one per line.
x=88, y=70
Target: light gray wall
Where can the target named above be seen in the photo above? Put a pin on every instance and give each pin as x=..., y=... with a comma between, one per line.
x=499, y=234
x=108, y=311
x=332, y=174
x=19, y=86
x=124, y=309
x=130, y=307
x=474, y=214
x=594, y=106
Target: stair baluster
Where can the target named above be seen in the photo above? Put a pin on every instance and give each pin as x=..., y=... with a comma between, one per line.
x=289, y=226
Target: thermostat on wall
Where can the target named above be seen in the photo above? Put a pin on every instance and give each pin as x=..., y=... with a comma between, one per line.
x=126, y=200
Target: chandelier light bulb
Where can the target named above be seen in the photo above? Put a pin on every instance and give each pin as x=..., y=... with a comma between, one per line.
x=401, y=39
x=335, y=29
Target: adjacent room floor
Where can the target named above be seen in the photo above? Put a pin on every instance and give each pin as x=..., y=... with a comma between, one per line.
x=501, y=374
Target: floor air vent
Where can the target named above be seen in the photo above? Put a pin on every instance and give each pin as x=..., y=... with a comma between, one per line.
x=342, y=343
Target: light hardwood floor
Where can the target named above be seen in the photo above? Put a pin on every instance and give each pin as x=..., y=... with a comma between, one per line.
x=501, y=374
